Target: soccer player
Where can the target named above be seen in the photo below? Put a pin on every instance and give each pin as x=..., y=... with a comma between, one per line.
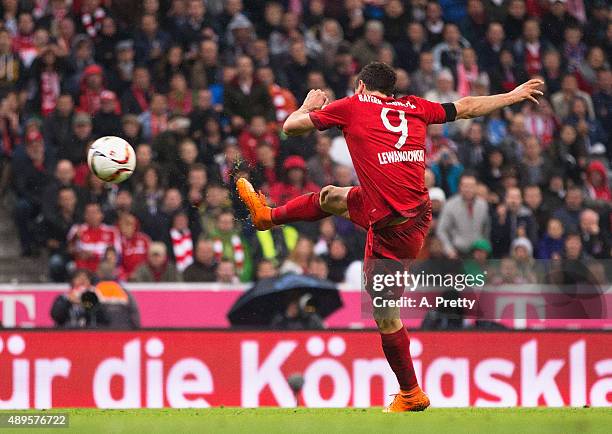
x=386, y=140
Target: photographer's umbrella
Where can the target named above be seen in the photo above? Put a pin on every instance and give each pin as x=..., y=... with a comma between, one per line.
x=262, y=302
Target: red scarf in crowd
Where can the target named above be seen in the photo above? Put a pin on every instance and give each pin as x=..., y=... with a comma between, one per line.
x=465, y=78
x=141, y=98
x=180, y=102
x=159, y=124
x=236, y=247
x=93, y=22
x=89, y=101
x=49, y=91
x=182, y=246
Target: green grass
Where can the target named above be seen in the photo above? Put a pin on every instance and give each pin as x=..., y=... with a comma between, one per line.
x=324, y=421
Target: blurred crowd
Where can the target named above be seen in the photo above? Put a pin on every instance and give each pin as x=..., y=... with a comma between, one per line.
x=201, y=87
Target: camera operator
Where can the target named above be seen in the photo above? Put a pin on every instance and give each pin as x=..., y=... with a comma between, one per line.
x=80, y=306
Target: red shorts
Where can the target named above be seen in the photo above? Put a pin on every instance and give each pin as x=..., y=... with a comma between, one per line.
x=397, y=244
x=403, y=241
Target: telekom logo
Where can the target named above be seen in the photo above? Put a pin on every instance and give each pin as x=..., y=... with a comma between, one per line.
x=9, y=304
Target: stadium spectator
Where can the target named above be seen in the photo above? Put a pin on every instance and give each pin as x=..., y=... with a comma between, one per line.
x=508, y=273
x=321, y=167
x=137, y=98
x=551, y=243
x=181, y=240
x=57, y=221
x=472, y=150
x=410, y=46
x=58, y=125
x=120, y=73
x=230, y=245
x=206, y=69
x=317, y=267
x=88, y=241
x=533, y=199
x=569, y=213
x=424, y=77
x=595, y=243
x=118, y=303
x=447, y=53
x=107, y=122
x=123, y=204
x=522, y=252
x=158, y=267
x=338, y=259
x=534, y=168
x=597, y=184
x=295, y=181
x=274, y=244
x=257, y=133
x=80, y=306
x=155, y=119
x=464, y=219
x=298, y=258
x=74, y=148
x=602, y=100
x=266, y=270
x=204, y=266
x=149, y=41
x=446, y=166
x=33, y=169
x=511, y=220
x=12, y=73
x=366, y=49
x=300, y=314
x=64, y=177
x=226, y=272
x=134, y=245
x=246, y=97
x=562, y=100
x=573, y=249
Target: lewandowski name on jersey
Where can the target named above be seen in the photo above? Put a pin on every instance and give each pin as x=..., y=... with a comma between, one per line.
x=401, y=156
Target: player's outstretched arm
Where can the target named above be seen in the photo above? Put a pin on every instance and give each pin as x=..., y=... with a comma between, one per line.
x=474, y=106
x=299, y=121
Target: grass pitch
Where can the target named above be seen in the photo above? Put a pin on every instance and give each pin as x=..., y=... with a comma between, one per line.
x=324, y=421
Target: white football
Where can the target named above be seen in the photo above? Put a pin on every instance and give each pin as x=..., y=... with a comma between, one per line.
x=111, y=159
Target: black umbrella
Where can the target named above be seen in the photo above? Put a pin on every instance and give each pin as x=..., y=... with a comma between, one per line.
x=262, y=302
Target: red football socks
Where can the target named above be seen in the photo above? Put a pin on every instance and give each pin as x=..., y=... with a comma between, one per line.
x=303, y=208
x=396, y=346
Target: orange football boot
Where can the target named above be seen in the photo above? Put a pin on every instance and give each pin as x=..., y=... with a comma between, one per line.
x=261, y=213
x=412, y=400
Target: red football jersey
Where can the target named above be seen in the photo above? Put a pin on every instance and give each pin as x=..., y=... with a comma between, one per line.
x=94, y=241
x=386, y=140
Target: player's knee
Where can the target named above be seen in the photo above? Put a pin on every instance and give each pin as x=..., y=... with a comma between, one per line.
x=389, y=325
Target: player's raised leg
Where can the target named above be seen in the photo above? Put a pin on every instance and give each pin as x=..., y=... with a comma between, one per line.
x=307, y=207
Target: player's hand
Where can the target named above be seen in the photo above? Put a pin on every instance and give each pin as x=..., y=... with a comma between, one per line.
x=528, y=90
x=315, y=100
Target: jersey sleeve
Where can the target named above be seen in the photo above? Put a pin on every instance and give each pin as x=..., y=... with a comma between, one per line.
x=336, y=114
x=434, y=112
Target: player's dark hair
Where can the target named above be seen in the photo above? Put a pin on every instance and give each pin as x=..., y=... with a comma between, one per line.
x=378, y=76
